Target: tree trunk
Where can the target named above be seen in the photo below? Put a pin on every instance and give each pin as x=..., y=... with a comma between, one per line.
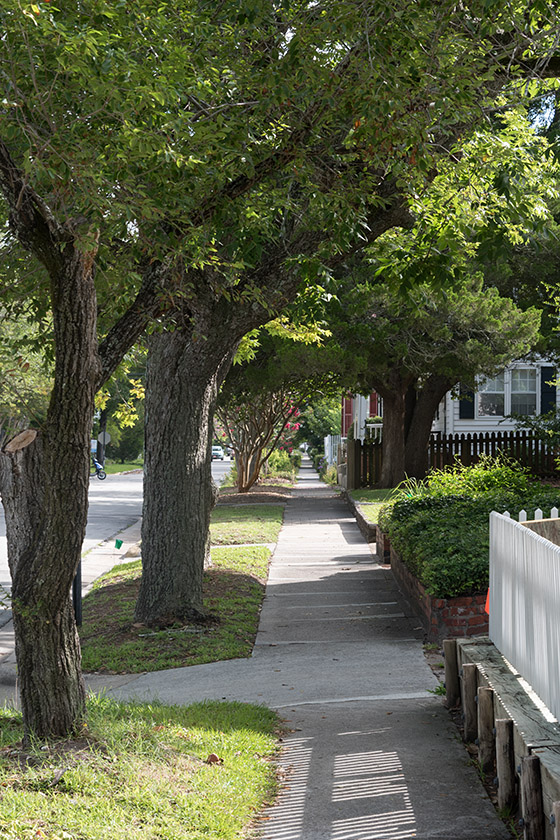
x=248, y=468
x=183, y=377
x=394, y=411
x=45, y=494
x=418, y=435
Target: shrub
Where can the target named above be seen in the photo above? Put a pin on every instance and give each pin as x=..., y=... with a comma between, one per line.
x=440, y=527
x=280, y=465
x=295, y=458
x=330, y=476
x=320, y=463
x=489, y=474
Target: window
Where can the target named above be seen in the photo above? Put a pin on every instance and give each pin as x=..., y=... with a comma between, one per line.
x=490, y=397
x=523, y=391
x=516, y=391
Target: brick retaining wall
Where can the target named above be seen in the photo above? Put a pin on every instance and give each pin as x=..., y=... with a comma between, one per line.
x=441, y=618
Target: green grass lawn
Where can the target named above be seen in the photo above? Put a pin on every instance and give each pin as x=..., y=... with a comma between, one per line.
x=140, y=772
x=111, y=469
x=371, y=501
x=234, y=525
x=233, y=592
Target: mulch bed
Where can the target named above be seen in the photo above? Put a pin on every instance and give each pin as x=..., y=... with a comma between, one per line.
x=261, y=493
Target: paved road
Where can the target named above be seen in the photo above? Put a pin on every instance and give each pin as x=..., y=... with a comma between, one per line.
x=220, y=469
x=114, y=504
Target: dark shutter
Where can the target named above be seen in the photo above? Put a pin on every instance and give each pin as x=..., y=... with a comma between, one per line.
x=548, y=391
x=466, y=403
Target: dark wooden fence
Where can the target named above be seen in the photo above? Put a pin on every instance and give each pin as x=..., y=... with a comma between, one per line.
x=444, y=450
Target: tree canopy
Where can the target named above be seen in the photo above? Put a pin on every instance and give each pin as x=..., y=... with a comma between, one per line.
x=414, y=349
x=196, y=162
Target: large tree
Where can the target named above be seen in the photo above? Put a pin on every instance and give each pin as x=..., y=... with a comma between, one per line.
x=416, y=348
x=190, y=160
x=127, y=134
x=349, y=179
x=416, y=309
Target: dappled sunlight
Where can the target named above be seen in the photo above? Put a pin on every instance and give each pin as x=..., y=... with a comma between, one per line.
x=373, y=775
x=368, y=791
x=286, y=820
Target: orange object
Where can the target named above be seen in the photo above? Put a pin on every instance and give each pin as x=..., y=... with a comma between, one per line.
x=487, y=604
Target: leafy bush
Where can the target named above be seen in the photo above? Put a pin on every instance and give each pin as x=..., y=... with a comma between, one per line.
x=440, y=528
x=489, y=474
x=330, y=476
x=320, y=463
x=295, y=458
x=280, y=465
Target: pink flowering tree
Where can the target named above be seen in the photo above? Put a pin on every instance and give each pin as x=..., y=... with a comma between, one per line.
x=254, y=427
x=261, y=401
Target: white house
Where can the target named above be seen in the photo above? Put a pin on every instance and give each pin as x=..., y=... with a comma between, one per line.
x=523, y=388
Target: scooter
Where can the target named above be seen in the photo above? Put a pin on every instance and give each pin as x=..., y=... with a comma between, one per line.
x=99, y=471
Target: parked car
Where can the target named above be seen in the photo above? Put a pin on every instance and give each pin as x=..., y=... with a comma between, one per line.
x=217, y=453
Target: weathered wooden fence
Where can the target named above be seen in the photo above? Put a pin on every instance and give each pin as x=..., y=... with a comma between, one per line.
x=525, y=603
x=444, y=450
x=524, y=447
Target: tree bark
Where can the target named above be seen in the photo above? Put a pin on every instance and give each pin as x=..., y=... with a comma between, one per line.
x=183, y=377
x=44, y=492
x=419, y=430
x=394, y=416
x=44, y=487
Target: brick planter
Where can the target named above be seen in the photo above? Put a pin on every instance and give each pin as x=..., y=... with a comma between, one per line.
x=441, y=618
x=383, y=546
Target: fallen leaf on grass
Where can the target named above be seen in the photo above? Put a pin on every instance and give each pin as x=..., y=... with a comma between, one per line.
x=214, y=759
x=58, y=776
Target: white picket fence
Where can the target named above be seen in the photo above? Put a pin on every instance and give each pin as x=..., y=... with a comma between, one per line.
x=525, y=603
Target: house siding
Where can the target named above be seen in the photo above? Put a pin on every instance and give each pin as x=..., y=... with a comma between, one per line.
x=452, y=419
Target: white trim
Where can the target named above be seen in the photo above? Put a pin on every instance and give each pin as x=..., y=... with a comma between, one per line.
x=507, y=392
x=450, y=423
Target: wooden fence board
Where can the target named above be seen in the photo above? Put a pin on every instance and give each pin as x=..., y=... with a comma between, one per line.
x=445, y=450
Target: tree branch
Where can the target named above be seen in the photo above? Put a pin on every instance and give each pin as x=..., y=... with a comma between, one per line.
x=147, y=305
x=287, y=151
x=31, y=220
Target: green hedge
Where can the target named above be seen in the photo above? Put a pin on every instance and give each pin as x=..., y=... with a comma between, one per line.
x=443, y=537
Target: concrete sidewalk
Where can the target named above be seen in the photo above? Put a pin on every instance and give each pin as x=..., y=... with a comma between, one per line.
x=370, y=754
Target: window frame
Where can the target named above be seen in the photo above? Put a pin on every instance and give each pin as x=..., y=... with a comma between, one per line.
x=536, y=391
x=479, y=391
x=508, y=393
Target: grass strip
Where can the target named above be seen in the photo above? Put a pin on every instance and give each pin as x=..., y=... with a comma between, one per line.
x=140, y=772
x=231, y=525
x=113, y=469
x=371, y=502
x=372, y=496
x=233, y=591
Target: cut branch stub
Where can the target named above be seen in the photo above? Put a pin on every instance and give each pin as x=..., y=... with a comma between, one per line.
x=20, y=441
